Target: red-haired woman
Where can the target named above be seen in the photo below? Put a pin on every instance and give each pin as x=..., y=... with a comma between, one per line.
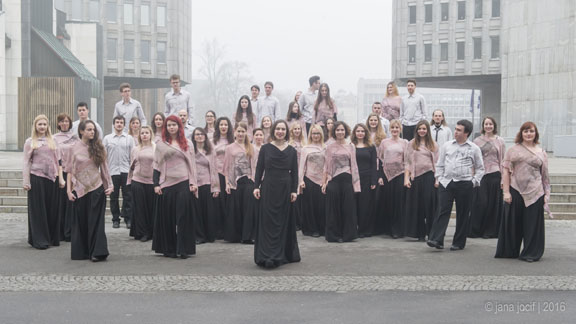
x=175, y=182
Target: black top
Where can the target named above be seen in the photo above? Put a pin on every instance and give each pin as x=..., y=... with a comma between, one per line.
x=366, y=160
x=272, y=159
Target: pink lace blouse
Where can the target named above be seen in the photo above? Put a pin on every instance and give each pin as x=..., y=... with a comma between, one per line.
x=311, y=163
x=220, y=150
x=236, y=164
x=529, y=173
x=493, y=150
x=391, y=153
x=85, y=174
x=391, y=107
x=206, y=171
x=419, y=161
x=41, y=162
x=65, y=141
x=141, y=169
x=324, y=112
x=341, y=158
x=174, y=164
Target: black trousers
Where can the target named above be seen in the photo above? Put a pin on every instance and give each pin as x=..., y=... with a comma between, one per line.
x=408, y=132
x=461, y=192
x=119, y=182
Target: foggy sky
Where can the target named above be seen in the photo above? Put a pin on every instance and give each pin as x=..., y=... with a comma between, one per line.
x=288, y=41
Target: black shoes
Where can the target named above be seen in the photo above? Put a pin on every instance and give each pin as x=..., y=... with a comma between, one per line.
x=456, y=248
x=435, y=244
x=128, y=224
x=115, y=224
x=98, y=258
x=315, y=234
x=144, y=238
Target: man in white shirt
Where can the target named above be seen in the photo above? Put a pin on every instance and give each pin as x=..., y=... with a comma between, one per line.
x=83, y=114
x=307, y=101
x=268, y=105
x=377, y=109
x=178, y=99
x=129, y=107
x=255, y=91
x=459, y=170
x=183, y=114
x=441, y=133
x=412, y=110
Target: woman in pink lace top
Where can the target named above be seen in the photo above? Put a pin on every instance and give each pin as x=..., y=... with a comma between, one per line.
x=40, y=170
x=89, y=182
x=208, y=187
x=341, y=180
x=310, y=174
x=391, y=154
x=526, y=187
x=420, y=161
x=488, y=205
x=244, y=114
x=240, y=223
x=294, y=116
x=223, y=136
x=175, y=181
x=65, y=139
x=142, y=184
x=324, y=107
x=391, y=103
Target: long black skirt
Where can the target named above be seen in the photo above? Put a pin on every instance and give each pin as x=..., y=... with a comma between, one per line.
x=88, y=236
x=43, y=220
x=365, y=206
x=341, y=218
x=206, y=216
x=313, y=209
x=174, y=222
x=276, y=242
x=221, y=201
x=488, y=207
x=420, y=206
x=143, y=205
x=394, y=194
x=240, y=223
x=65, y=210
x=521, y=223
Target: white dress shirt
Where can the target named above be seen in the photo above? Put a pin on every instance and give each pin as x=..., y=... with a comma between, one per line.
x=459, y=162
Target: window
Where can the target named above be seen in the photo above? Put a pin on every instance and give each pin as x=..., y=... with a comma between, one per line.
x=445, y=8
x=145, y=51
x=161, y=16
x=461, y=10
x=443, y=52
x=161, y=50
x=477, y=8
x=412, y=10
x=111, y=15
x=495, y=47
x=460, y=46
x=76, y=10
x=94, y=10
x=128, y=10
x=428, y=13
x=412, y=53
x=495, y=8
x=111, y=46
x=129, y=50
x=145, y=15
x=477, y=48
x=427, y=52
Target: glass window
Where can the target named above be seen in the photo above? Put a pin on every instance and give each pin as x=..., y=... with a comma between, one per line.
x=128, y=14
x=477, y=48
x=161, y=50
x=412, y=10
x=94, y=10
x=445, y=8
x=111, y=14
x=145, y=15
x=428, y=13
x=443, y=52
x=461, y=10
x=145, y=51
x=412, y=53
x=495, y=47
x=478, y=9
x=460, y=46
x=427, y=52
x=76, y=10
x=495, y=8
x=111, y=47
x=129, y=50
x=161, y=16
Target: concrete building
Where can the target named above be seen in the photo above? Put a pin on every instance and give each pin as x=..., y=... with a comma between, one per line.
x=519, y=53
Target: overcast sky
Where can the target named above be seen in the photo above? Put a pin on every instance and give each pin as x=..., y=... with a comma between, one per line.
x=288, y=41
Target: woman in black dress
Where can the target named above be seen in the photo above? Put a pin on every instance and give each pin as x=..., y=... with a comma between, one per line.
x=276, y=242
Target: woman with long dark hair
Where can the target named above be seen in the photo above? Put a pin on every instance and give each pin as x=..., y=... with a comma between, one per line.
x=276, y=242
x=328, y=131
x=89, y=182
x=341, y=181
x=210, y=127
x=391, y=155
x=266, y=125
x=240, y=223
x=294, y=116
x=140, y=179
x=310, y=177
x=244, y=114
x=208, y=187
x=65, y=139
x=366, y=159
x=488, y=204
x=324, y=107
x=420, y=164
x=157, y=126
x=223, y=136
x=134, y=128
x=175, y=183
x=526, y=192
x=41, y=170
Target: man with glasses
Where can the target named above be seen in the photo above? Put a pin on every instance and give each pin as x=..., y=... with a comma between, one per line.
x=178, y=99
x=128, y=107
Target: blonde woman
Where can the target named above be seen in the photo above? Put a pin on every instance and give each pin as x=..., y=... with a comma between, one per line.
x=391, y=102
x=40, y=171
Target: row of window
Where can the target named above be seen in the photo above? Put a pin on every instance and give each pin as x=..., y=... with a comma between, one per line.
x=129, y=49
x=460, y=50
x=445, y=11
x=111, y=9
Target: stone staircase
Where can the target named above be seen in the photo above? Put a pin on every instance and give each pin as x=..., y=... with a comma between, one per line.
x=13, y=198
